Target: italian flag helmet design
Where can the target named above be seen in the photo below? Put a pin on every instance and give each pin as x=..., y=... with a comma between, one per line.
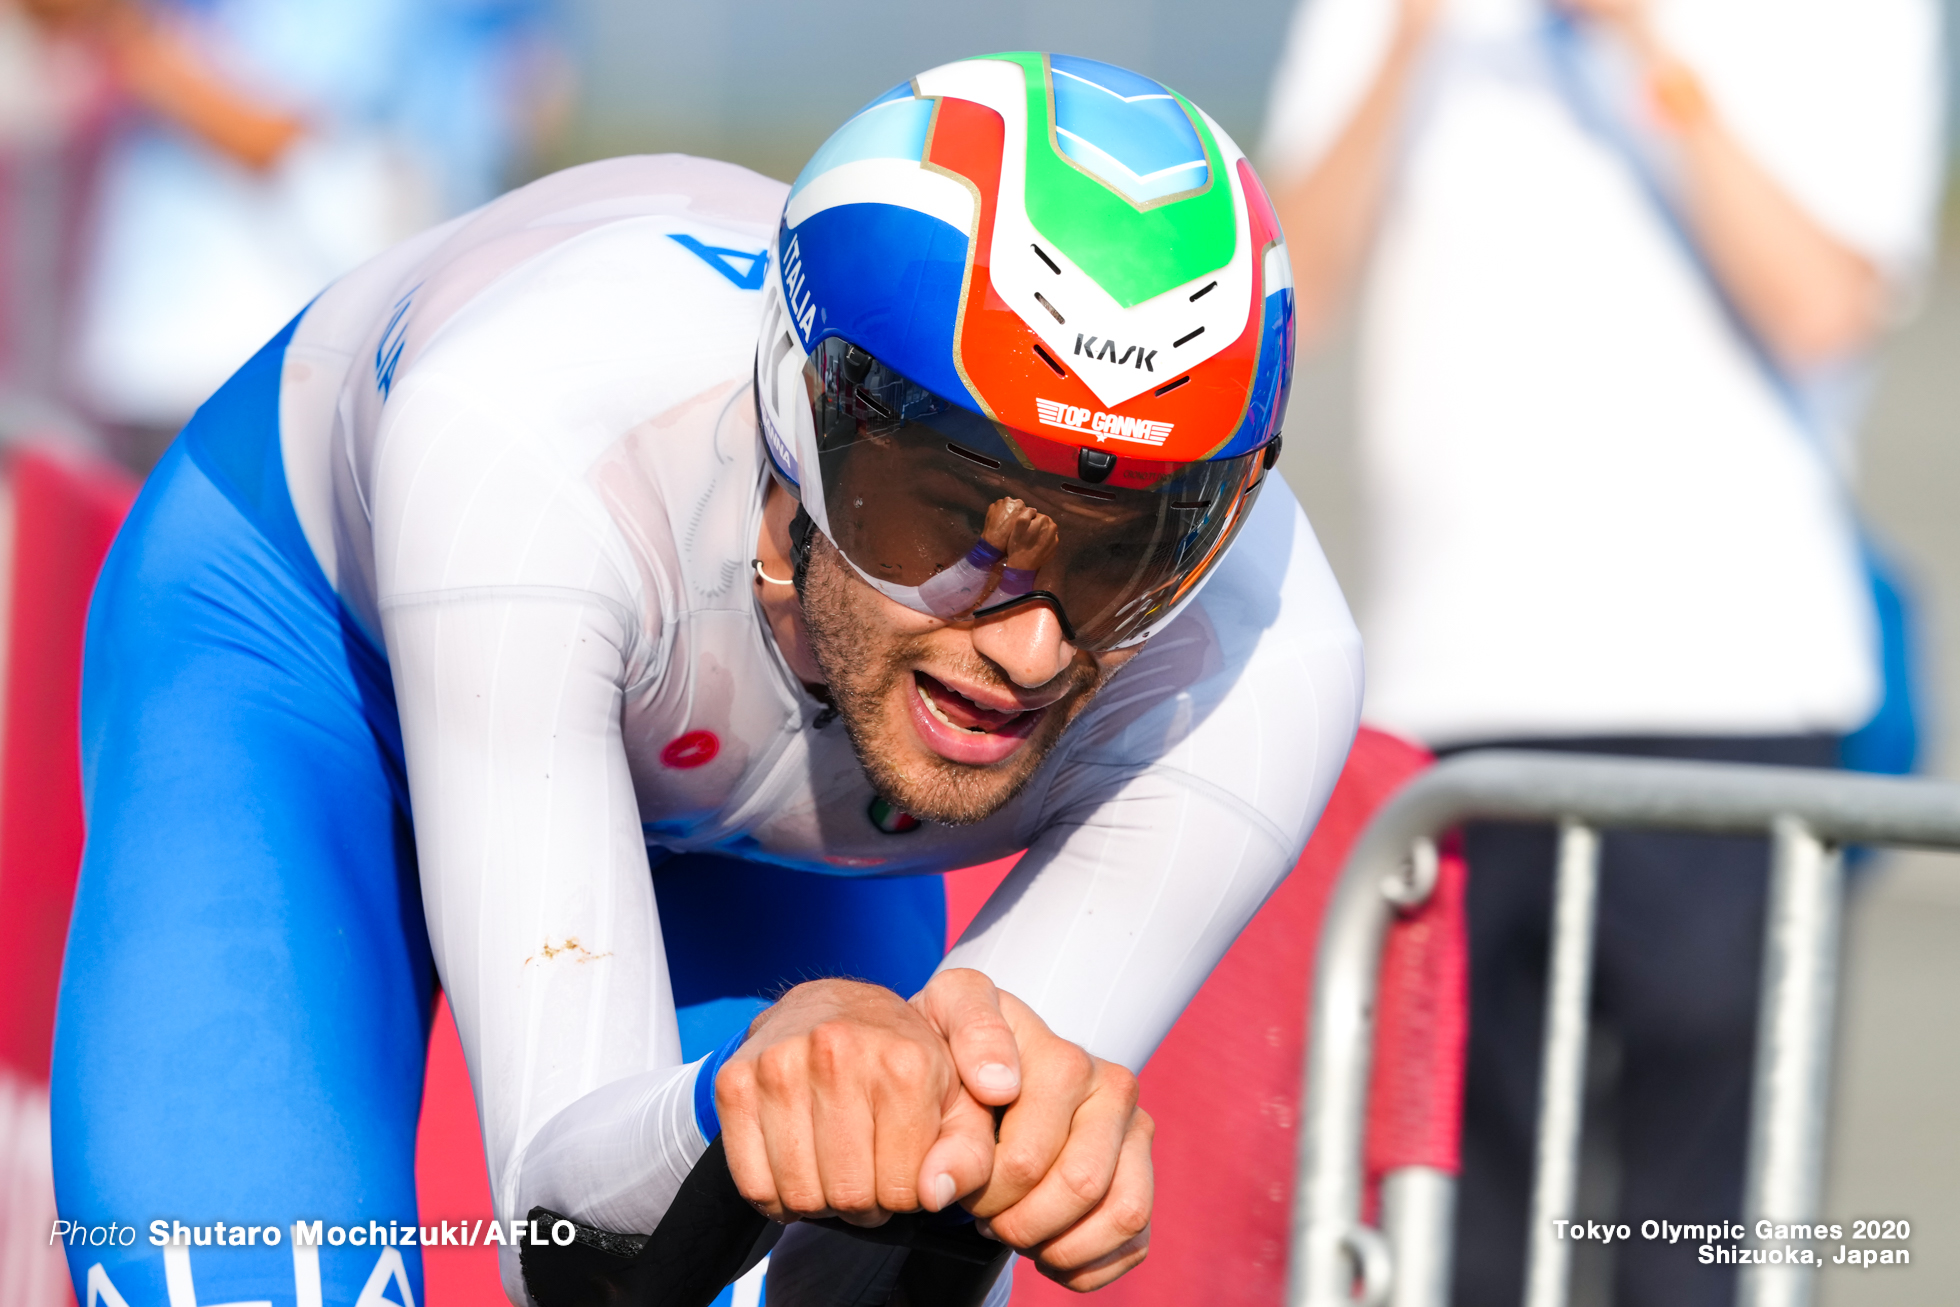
x=1060, y=246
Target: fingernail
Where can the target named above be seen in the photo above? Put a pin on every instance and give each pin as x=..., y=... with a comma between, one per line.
x=997, y=1077
x=943, y=1191
x=986, y=1229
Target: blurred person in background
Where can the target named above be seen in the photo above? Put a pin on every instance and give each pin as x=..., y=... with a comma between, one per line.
x=175, y=183
x=55, y=103
x=59, y=506
x=1622, y=265
x=271, y=146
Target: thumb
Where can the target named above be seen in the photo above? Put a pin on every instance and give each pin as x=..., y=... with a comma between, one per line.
x=964, y=1007
x=961, y=1160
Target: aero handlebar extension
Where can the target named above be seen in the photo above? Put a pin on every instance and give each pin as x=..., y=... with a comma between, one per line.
x=711, y=1235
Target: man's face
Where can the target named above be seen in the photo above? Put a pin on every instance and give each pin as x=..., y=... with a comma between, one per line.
x=949, y=720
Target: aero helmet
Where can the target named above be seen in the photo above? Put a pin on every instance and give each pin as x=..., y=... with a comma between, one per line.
x=1028, y=280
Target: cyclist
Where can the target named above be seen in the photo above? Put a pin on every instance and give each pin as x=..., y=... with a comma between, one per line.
x=658, y=539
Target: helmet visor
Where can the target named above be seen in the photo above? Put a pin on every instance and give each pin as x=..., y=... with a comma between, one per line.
x=955, y=515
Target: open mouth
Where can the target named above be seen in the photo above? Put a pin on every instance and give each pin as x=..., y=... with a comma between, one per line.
x=960, y=730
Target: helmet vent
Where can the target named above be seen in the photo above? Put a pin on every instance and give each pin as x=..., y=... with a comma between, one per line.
x=1045, y=259
x=1043, y=301
x=1187, y=336
x=778, y=351
x=970, y=456
x=1169, y=386
x=1202, y=291
x=1088, y=492
x=1060, y=371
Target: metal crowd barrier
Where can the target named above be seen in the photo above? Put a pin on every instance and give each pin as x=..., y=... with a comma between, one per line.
x=1807, y=814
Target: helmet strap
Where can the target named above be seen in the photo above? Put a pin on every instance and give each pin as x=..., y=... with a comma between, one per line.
x=802, y=534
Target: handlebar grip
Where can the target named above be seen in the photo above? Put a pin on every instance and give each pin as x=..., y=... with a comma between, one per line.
x=706, y=1240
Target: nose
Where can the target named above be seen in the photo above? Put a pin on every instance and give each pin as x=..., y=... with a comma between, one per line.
x=1026, y=643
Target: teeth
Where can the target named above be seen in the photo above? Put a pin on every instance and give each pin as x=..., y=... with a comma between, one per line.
x=933, y=708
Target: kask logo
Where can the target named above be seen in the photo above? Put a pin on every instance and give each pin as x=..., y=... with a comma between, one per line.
x=1109, y=353
x=1104, y=426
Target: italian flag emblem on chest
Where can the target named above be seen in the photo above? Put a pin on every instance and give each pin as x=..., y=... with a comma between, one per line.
x=891, y=820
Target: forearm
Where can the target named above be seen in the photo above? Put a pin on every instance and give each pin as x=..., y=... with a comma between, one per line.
x=1330, y=214
x=163, y=74
x=1806, y=294
x=1108, y=938
x=1178, y=822
x=615, y=1158
x=539, y=905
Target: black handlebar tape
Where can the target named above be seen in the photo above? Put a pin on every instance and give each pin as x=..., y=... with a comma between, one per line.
x=944, y=1236
x=701, y=1244
x=707, y=1237
x=931, y=1280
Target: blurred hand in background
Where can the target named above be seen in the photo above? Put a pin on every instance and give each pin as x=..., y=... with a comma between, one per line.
x=1330, y=212
x=166, y=75
x=1810, y=296
x=268, y=147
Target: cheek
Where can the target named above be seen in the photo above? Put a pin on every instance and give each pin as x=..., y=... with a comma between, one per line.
x=861, y=636
x=1108, y=664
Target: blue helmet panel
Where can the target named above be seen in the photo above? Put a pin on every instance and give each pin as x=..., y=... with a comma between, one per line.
x=885, y=278
x=1266, y=406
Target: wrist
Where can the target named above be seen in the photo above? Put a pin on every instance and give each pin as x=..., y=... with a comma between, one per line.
x=707, y=1118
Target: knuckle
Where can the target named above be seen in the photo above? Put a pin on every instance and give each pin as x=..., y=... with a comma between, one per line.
x=802, y=1199
x=776, y=1066
x=832, y=1046
x=1085, y=1182
x=905, y=1062
x=1129, y=1216
x=851, y=1196
x=735, y=1084
x=1122, y=1082
x=1018, y=1168
x=981, y=1028
x=897, y=1196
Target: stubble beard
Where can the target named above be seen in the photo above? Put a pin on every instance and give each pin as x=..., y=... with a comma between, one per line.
x=841, y=613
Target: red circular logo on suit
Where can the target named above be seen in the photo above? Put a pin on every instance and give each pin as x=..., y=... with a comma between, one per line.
x=695, y=749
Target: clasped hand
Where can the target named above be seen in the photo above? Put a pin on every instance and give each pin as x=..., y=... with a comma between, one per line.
x=848, y=1101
